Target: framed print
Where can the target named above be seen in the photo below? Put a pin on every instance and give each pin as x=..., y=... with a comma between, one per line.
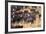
x=21, y=16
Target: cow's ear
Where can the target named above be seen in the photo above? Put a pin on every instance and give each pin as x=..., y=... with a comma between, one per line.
x=39, y=15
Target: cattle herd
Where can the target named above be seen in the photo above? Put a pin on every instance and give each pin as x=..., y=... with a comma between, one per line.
x=23, y=15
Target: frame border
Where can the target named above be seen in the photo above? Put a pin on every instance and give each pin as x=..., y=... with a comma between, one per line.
x=6, y=16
